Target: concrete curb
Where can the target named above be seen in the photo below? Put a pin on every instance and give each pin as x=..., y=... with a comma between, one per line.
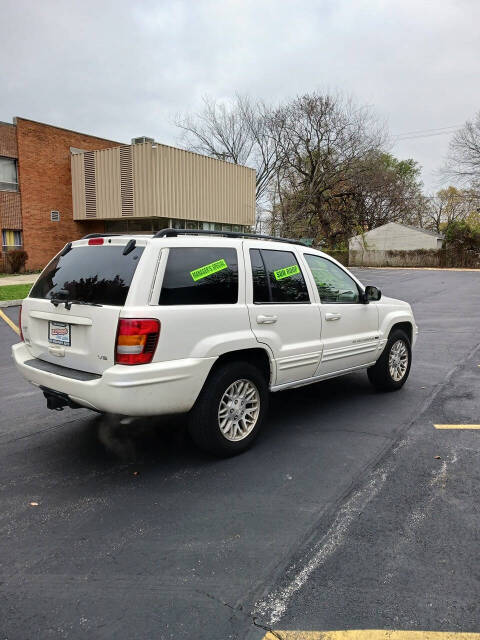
x=10, y=303
x=354, y=266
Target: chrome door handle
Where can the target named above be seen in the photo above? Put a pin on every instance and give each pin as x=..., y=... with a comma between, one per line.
x=333, y=316
x=266, y=319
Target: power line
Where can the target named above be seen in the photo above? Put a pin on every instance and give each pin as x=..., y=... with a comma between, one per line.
x=426, y=133
x=407, y=133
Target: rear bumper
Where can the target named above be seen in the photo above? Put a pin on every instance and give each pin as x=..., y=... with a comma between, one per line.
x=144, y=390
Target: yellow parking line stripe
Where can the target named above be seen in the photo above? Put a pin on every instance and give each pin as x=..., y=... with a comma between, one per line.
x=457, y=426
x=11, y=324
x=371, y=634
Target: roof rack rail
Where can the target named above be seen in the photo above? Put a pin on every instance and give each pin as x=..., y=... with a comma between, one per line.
x=173, y=233
x=100, y=235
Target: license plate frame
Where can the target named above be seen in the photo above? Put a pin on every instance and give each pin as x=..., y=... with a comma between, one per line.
x=61, y=334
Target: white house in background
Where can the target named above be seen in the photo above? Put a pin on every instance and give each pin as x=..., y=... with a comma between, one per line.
x=394, y=236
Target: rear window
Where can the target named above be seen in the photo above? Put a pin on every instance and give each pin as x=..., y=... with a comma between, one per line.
x=92, y=274
x=277, y=277
x=206, y=275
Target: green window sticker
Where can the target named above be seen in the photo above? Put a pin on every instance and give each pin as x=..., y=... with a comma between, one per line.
x=208, y=269
x=286, y=272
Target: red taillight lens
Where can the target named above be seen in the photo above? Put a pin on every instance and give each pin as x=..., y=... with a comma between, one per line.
x=95, y=241
x=20, y=324
x=136, y=340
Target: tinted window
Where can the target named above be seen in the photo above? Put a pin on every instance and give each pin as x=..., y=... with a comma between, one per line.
x=207, y=275
x=277, y=277
x=333, y=284
x=96, y=274
x=261, y=291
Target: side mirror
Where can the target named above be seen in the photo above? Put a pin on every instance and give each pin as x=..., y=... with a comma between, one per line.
x=372, y=294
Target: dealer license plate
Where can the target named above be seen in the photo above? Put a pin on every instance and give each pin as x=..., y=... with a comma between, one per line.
x=59, y=333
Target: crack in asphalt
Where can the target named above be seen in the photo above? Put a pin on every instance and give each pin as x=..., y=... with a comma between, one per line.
x=239, y=610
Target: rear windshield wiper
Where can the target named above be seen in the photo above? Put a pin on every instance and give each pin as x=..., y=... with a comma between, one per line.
x=88, y=304
x=68, y=303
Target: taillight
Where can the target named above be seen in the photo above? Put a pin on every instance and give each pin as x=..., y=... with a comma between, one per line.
x=20, y=324
x=136, y=340
x=95, y=241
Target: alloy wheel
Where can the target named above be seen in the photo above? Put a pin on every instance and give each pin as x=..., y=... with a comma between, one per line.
x=239, y=410
x=398, y=360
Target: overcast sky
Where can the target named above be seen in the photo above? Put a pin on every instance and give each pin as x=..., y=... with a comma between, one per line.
x=119, y=69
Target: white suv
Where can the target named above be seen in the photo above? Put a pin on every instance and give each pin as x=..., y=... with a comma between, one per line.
x=203, y=323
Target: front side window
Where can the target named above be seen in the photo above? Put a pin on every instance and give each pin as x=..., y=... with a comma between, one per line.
x=277, y=277
x=333, y=284
x=200, y=275
x=8, y=174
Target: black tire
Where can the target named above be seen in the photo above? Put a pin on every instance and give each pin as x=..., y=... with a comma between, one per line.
x=204, y=425
x=380, y=375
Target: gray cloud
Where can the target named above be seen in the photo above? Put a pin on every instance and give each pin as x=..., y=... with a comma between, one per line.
x=119, y=68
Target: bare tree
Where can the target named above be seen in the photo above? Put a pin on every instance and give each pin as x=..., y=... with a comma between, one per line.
x=463, y=160
x=237, y=132
x=321, y=169
x=321, y=140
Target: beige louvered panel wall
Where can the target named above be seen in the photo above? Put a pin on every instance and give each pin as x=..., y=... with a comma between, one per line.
x=78, y=186
x=90, y=184
x=109, y=203
x=173, y=183
x=126, y=180
x=145, y=187
x=146, y=180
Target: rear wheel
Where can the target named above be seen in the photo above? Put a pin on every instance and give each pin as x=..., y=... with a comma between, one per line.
x=393, y=367
x=230, y=410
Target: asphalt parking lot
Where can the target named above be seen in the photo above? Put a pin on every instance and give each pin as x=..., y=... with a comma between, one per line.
x=351, y=512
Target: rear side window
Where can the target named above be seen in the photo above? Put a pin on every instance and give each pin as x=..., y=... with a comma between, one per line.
x=206, y=275
x=277, y=277
x=92, y=274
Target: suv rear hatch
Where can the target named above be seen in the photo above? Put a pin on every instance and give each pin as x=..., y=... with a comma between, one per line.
x=71, y=315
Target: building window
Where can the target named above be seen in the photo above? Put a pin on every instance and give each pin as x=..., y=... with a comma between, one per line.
x=140, y=225
x=208, y=226
x=8, y=174
x=11, y=239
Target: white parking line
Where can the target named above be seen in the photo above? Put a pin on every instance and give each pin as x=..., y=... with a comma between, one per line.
x=371, y=634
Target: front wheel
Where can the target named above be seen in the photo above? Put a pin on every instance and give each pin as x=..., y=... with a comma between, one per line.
x=391, y=370
x=229, y=412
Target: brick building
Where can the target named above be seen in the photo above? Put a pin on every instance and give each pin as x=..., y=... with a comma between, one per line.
x=36, y=209
x=57, y=185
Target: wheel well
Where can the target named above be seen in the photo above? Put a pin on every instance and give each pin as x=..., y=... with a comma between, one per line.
x=258, y=357
x=406, y=327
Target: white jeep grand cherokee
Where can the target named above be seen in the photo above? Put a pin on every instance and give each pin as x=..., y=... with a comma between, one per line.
x=203, y=323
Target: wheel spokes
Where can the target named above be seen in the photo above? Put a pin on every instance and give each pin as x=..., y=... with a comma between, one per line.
x=239, y=409
x=398, y=360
